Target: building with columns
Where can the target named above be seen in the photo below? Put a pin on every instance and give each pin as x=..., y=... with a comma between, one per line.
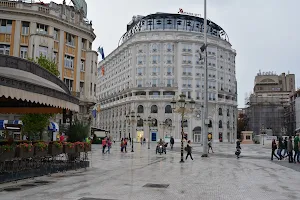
x=59, y=32
x=157, y=60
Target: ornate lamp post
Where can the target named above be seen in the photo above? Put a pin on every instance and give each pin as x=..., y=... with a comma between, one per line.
x=131, y=120
x=181, y=107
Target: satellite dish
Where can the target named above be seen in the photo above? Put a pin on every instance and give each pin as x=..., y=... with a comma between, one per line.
x=80, y=5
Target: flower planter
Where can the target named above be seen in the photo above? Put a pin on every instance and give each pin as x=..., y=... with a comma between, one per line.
x=53, y=150
x=22, y=152
x=6, y=155
x=79, y=148
x=40, y=153
x=87, y=147
x=68, y=149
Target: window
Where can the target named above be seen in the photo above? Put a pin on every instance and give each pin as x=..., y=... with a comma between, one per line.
x=170, y=82
x=155, y=47
x=81, y=85
x=248, y=137
x=83, y=43
x=25, y=28
x=82, y=68
x=220, y=111
x=43, y=51
x=70, y=39
x=92, y=65
x=4, y=49
x=139, y=83
x=140, y=71
x=168, y=109
x=23, y=52
x=42, y=29
x=155, y=59
x=5, y=26
x=187, y=59
x=95, y=89
x=91, y=89
x=220, y=124
x=170, y=47
x=198, y=95
x=155, y=82
x=56, y=34
x=169, y=59
x=140, y=109
x=69, y=61
x=154, y=109
x=155, y=70
x=187, y=94
x=169, y=70
x=69, y=83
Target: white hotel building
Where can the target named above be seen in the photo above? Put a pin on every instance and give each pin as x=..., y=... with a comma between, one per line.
x=158, y=59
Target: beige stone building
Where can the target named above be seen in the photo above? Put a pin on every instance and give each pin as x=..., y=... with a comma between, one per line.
x=59, y=32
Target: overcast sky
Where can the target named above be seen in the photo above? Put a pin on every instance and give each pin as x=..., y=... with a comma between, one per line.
x=263, y=32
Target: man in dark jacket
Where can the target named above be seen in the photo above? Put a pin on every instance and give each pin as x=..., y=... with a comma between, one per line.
x=290, y=149
x=172, y=142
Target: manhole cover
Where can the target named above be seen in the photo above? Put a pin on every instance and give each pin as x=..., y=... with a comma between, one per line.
x=87, y=198
x=42, y=182
x=28, y=185
x=12, y=189
x=156, y=185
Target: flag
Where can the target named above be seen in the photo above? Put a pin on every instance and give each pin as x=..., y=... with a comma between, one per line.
x=101, y=51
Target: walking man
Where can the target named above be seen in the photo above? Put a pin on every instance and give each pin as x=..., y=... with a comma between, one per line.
x=189, y=150
x=210, y=146
x=290, y=149
x=296, y=148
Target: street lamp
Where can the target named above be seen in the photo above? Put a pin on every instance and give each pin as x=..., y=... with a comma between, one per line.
x=162, y=125
x=262, y=131
x=181, y=107
x=131, y=120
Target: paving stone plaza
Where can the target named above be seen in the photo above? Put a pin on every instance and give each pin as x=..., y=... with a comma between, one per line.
x=145, y=175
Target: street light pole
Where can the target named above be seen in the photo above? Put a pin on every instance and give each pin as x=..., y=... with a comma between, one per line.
x=205, y=130
x=182, y=110
x=131, y=120
x=149, y=124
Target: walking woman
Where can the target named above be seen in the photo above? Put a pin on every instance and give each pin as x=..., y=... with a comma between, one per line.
x=274, y=147
x=189, y=150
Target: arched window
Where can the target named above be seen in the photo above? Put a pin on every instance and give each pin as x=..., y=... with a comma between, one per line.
x=140, y=109
x=227, y=112
x=139, y=123
x=210, y=124
x=154, y=122
x=220, y=124
x=168, y=109
x=168, y=122
x=220, y=111
x=154, y=109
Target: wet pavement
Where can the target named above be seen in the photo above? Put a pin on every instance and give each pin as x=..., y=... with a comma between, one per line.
x=145, y=175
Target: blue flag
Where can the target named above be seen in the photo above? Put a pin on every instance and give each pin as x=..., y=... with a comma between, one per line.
x=101, y=51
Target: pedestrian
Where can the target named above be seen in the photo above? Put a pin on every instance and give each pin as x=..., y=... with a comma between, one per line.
x=122, y=145
x=189, y=150
x=210, y=146
x=144, y=141
x=172, y=142
x=296, y=148
x=274, y=147
x=290, y=149
x=141, y=140
x=108, y=145
x=280, y=148
x=285, y=151
x=125, y=145
x=103, y=145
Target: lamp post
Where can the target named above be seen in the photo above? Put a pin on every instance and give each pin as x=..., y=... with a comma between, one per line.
x=262, y=129
x=180, y=107
x=149, y=122
x=131, y=120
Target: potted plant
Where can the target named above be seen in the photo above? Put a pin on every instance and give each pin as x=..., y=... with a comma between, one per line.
x=69, y=147
x=40, y=149
x=79, y=146
x=7, y=152
x=87, y=147
x=55, y=148
x=24, y=150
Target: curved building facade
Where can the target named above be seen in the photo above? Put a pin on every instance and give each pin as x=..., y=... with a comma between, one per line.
x=158, y=59
x=59, y=32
